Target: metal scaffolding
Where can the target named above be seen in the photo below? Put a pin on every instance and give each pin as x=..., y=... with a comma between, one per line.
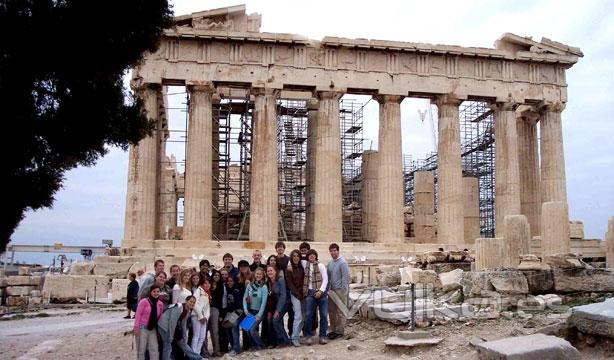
x=292, y=165
x=352, y=143
x=477, y=159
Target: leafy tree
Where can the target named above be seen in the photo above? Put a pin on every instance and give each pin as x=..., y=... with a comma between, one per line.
x=62, y=101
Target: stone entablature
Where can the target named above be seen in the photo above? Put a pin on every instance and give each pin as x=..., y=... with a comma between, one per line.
x=520, y=68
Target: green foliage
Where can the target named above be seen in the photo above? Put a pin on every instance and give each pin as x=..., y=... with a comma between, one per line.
x=62, y=100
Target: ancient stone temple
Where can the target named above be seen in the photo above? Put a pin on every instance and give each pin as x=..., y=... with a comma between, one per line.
x=220, y=55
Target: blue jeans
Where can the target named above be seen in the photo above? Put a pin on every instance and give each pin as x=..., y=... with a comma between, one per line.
x=277, y=333
x=322, y=304
x=233, y=335
x=254, y=336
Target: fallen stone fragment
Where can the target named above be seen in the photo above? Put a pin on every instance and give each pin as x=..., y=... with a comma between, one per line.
x=595, y=319
x=412, y=338
x=529, y=347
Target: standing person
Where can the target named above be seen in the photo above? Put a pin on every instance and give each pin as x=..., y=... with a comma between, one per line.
x=282, y=259
x=214, y=318
x=234, y=302
x=223, y=339
x=148, y=313
x=245, y=276
x=257, y=257
x=132, y=295
x=276, y=307
x=257, y=292
x=314, y=289
x=175, y=271
x=148, y=279
x=200, y=314
x=232, y=270
x=194, y=282
x=294, y=281
x=184, y=289
x=304, y=247
x=338, y=273
x=160, y=280
x=205, y=268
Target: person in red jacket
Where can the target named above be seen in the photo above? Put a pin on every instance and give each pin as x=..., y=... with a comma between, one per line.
x=148, y=312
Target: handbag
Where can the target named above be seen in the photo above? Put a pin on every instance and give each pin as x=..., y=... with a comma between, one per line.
x=230, y=319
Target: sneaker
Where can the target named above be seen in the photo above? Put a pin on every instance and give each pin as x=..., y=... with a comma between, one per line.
x=296, y=343
x=308, y=341
x=232, y=353
x=127, y=317
x=323, y=340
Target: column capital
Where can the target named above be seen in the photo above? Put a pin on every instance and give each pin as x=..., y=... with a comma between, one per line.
x=383, y=99
x=504, y=105
x=447, y=99
x=329, y=95
x=551, y=106
x=139, y=87
x=265, y=91
x=527, y=113
x=201, y=86
x=313, y=104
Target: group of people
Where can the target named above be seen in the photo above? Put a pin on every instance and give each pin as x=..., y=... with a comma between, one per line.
x=183, y=311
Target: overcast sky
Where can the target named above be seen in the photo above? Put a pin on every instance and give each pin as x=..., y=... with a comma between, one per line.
x=91, y=205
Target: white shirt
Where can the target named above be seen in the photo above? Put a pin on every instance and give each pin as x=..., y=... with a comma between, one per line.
x=180, y=294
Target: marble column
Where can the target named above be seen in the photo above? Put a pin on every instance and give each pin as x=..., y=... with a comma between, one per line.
x=488, y=253
x=369, y=195
x=327, y=225
x=312, y=119
x=551, y=151
x=142, y=192
x=424, y=207
x=263, y=194
x=507, y=179
x=390, y=218
x=198, y=208
x=450, y=216
x=555, y=228
x=528, y=165
x=517, y=241
x=471, y=196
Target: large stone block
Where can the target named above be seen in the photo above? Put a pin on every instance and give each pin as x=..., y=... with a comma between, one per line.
x=19, y=290
x=593, y=280
x=539, y=281
x=576, y=229
x=190, y=264
x=67, y=287
x=516, y=240
x=134, y=268
x=476, y=282
x=418, y=276
x=530, y=347
x=113, y=270
x=17, y=300
x=509, y=282
x=3, y=282
x=104, y=259
x=451, y=280
x=609, y=244
x=488, y=253
x=388, y=275
x=81, y=268
x=595, y=319
x=119, y=289
x=18, y=280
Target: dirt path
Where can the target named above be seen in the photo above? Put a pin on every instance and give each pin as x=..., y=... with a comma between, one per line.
x=97, y=334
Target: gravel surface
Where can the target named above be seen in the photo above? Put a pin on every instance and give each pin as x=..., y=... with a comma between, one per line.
x=104, y=334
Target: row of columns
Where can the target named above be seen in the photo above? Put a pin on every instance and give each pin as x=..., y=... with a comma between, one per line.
x=517, y=176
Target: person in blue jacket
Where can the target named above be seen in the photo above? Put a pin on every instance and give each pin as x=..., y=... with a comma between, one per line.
x=257, y=292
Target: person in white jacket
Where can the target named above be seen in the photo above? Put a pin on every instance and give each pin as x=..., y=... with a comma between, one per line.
x=200, y=314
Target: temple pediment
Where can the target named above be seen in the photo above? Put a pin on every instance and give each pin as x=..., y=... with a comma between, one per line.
x=515, y=44
x=231, y=19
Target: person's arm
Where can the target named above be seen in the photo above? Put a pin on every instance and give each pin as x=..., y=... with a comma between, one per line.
x=245, y=296
x=324, y=277
x=139, y=314
x=206, y=309
x=199, y=306
x=345, y=275
x=264, y=292
x=281, y=300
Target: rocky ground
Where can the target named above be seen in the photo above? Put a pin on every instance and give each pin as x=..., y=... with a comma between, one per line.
x=102, y=333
